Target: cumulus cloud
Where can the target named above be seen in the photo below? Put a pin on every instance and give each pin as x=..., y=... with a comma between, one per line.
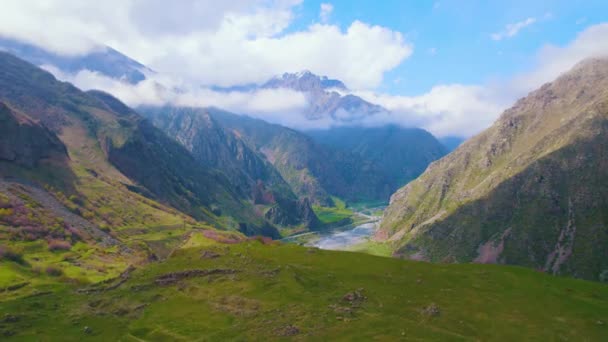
x=210, y=42
x=326, y=9
x=464, y=110
x=445, y=110
x=511, y=30
x=552, y=60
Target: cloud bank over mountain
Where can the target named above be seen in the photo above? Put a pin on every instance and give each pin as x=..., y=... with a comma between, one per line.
x=196, y=46
x=210, y=42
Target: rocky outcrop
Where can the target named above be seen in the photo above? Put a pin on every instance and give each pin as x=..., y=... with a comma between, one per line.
x=293, y=213
x=221, y=148
x=25, y=142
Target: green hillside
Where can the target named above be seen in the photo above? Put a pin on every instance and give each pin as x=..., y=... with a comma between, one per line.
x=254, y=291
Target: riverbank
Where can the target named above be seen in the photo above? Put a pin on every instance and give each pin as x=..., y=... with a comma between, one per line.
x=355, y=236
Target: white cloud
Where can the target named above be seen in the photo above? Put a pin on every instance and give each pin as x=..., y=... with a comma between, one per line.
x=326, y=9
x=208, y=41
x=511, y=30
x=464, y=110
x=445, y=110
x=553, y=60
x=281, y=106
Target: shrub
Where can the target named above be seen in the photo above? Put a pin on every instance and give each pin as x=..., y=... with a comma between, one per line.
x=54, y=271
x=76, y=200
x=263, y=239
x=5, y=212
x=9, y=254
x=59, y=245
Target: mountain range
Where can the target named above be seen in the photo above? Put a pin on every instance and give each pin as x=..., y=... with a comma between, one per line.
x=526, y=191
x=161, y=222
x=104, y=139
x=221, y=168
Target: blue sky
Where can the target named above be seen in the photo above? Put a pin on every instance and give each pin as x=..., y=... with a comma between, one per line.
x=452, y=39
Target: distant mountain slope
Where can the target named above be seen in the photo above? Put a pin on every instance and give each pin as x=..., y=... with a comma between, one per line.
x=530, y=190
x=249, y=172
x=311, y=169
x=106, y=61
x=106, y=140
x=401, y=154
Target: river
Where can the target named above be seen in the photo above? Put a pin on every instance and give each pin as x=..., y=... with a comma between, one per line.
x=340, y=240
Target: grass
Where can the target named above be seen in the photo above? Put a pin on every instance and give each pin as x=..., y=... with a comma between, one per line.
x=291, y=292
x=373, y=248
x=334, y=215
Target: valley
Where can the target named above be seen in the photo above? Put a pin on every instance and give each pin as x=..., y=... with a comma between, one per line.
x=222, y=197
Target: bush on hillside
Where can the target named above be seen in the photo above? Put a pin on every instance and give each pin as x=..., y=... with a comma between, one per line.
x=54, y=271
x=59, y=245
x=10, y=254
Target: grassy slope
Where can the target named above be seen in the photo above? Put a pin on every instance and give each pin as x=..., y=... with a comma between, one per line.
x=276, y=287
x=332, y=215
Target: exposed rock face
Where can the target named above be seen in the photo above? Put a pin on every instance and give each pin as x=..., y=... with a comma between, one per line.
x=304, y=81
x=540, y=173
x=294, y=213
x=26, y=142
x=218, y=148
x=215, y=146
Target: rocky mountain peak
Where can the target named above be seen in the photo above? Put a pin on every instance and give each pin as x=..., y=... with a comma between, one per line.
x=305, y=81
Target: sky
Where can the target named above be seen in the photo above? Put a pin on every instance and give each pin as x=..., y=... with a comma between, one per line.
x=450, y=67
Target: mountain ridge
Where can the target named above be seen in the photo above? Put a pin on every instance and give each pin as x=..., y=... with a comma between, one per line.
x=475, y=195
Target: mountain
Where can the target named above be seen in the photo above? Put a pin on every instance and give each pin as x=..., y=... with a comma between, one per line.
x=353, y=163
x=304, y=81
x=121, y=171
x=325, y=98
x=400, y=154
x=531, y=190
x=105, y=60
x=248, y=171
x=311, y=169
